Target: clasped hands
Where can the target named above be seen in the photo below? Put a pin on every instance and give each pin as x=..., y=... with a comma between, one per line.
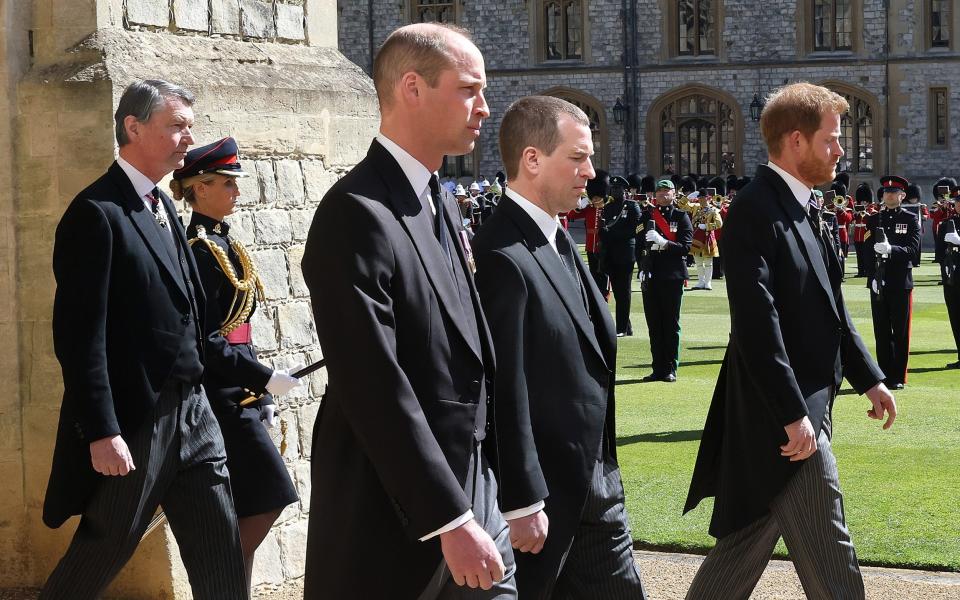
x=802, y=439
x=659, y=242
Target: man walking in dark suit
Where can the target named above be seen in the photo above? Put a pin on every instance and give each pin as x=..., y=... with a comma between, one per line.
x=667, y=235
x=890, y=279
x=397, y=468
x=136, y=430
x=765, y=453
x=556, y=354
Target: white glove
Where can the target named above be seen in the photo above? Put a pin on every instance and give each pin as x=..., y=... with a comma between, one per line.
x=642, y=275
x=882, y=248
x=583, y=203
x=281, y=382
x=702, y=226
x=656, y=238
x=875, y=286
x=952, y=238
x=268, y=414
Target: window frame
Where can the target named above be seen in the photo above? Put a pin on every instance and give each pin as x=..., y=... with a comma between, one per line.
x=934, y=144
x=697, y=51
x=414, y=5
x=538, y=31
x=928, y=28
x=458, y=173
x=834, y=46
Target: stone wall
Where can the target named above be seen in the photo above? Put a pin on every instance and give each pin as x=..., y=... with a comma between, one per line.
x=302, y=114
x=761, y=44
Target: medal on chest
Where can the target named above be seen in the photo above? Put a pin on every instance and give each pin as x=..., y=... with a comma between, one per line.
x=673, y=227
x=467, y=251
x=900, y=229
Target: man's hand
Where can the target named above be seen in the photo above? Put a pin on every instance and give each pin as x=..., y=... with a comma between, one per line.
x=882, y=401
x=527, y=534
x=883, y=248
x=110, y=456
x=471, y=555
x=803, y=440
x=656, y=238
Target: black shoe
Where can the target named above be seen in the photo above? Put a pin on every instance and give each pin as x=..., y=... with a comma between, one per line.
x=669, y=378
x=954, y=365
x=893, y=385
x=651, y=377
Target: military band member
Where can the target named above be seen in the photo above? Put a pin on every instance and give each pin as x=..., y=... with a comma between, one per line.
x=261, y=485
x=890, y=279
x=862, y=210
x=663, y=272
x=592, y=216
x=950, y=269
x=722, y=204
x=844, y=214
x=617, y=245
x=706, y=220
x=943, y=210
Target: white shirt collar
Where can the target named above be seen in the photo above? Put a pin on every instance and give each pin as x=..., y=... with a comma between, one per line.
x=141, y=183
x=545, y=221
x=800, y=190
x=417, y=174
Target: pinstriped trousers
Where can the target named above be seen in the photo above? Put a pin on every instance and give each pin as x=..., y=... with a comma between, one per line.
x=180, y=464
x=808, y=513
x=599, y=563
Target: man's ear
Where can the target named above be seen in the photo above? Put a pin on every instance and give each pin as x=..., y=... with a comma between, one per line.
x=409, y=87
x=132, y=126
x=530, y=160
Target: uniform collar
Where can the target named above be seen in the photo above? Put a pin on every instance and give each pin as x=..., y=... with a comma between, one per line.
x=211, y=225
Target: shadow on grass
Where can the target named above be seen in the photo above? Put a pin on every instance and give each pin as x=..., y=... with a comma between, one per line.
x=690, y=435
x=932, y=352
x=705, y=348
x=931, y=369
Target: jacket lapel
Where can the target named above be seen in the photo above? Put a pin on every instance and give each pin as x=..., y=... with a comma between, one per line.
x=419, y=226
x=605, y=332
x=554, y=271
x=146, y=224
x=803, y=231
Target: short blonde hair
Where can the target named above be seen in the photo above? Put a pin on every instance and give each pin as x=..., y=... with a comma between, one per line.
x=422, y=48
x=534, y=121
x=183, y=188
x=797, y=107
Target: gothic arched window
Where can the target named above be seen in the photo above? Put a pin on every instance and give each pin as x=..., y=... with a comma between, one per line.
x=857, y=131
x=698, y=135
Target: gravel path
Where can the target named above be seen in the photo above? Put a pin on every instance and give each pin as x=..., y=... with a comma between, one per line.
x=667, y=577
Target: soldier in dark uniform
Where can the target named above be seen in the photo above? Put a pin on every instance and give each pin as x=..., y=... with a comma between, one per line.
x=890, y=279
x=617, y=244
x=949, y=239
x=260, y=482
x=662, y=251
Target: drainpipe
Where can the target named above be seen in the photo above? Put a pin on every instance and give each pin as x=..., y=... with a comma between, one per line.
x=370, y=34
x=886, y=88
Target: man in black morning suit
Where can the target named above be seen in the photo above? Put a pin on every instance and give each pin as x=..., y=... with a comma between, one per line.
x=891, y=287
x=136, y=430
x=404, y=504
x=556, y=353
x=765, y=453
x=663, y=270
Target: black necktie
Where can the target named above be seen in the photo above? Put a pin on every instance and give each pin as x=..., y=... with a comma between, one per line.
x=569, y=260
x=440, y=223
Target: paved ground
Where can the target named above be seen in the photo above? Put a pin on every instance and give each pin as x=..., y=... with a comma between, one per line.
x=668, y=576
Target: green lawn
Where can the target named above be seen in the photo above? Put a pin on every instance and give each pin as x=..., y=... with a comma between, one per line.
x=901, y=486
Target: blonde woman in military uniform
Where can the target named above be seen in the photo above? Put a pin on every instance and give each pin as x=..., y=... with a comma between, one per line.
x=261, y=485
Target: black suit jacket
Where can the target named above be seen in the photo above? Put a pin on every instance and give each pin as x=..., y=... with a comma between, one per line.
x=791, y=343
x=396, y=429
x=119, y=314
x=903, y=233
x=555, y=382
x=670, y=263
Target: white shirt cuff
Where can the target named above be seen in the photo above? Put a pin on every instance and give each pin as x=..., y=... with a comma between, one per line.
x=449, y=526
x=524, y=512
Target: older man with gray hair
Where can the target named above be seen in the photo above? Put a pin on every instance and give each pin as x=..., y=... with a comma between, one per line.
x=136, y=430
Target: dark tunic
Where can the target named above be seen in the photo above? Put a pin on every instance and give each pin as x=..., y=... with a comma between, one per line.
x=258, y=477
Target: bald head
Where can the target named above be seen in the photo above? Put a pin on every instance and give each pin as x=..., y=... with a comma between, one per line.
x=426, y=49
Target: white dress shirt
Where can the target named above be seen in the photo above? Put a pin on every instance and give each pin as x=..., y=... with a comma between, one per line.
x=144, y=187
x=547, y=223
x=800, y=190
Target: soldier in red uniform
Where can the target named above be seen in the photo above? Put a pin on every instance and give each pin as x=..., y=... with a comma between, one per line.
x=943, y=210
x=593, y=219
